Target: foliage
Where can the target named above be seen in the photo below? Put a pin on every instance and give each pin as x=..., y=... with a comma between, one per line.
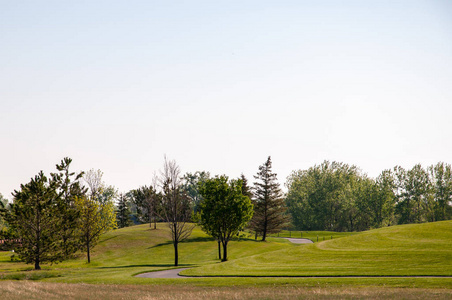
x=36, y=219
x=441, y=181
x=68, y=188
x=191, y=183
x=336, y=196
x=224, y=209
x=3, y=205
x=147, y=202
x=175, y=208
x=269, y=206
x=123, y=211
x=246, y=189
x=95, y=219
x=96, y=210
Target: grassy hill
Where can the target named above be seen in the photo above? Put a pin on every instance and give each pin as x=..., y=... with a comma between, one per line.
x=418, y=249
x=407, y=250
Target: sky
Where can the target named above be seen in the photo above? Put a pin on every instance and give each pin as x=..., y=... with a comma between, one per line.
x=221, y=85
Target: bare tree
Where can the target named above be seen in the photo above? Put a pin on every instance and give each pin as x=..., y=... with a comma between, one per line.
x=175, y=209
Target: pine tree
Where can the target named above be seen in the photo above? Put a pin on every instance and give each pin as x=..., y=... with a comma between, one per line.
x=246, y=190
x=269, y=207
x=35, y=218
x=123, y=212
x=69, y=188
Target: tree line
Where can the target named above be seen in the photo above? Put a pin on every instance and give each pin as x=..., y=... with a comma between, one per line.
x=221, y=206
x=53, y=217
x=339, y=197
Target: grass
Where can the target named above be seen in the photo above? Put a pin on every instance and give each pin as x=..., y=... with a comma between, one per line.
x=408, y=250
x=418, y=249
x=39, y=290
x=315, y=236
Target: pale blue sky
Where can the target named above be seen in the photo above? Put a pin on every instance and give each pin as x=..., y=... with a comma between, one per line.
x=220, y=85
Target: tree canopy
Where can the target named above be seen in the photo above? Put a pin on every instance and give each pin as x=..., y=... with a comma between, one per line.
x=224, y=209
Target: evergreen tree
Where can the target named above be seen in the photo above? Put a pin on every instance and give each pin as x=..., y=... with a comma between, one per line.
x=246, y=190
x=269, y=207
x=123, y=212
x=69, y=188
x=35, y=218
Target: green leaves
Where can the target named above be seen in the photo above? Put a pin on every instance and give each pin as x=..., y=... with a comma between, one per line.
x=224, y=209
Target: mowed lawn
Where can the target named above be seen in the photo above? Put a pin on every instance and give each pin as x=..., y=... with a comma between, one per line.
x=406, y=250
x=419, y=249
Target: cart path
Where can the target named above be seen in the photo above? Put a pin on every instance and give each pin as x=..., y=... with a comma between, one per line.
x=173, y=273
x=299, y=240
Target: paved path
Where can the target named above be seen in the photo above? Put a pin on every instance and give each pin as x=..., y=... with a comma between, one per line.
x=299, y=241
x=173, y=273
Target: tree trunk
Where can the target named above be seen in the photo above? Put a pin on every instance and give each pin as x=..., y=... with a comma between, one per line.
x=225, y=251
x=87, y=252
x=219, y=250
x=37, y=267
x=176, y=255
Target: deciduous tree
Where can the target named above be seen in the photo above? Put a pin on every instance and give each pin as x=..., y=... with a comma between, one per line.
x=224, y=209
x=95, y=219
x=175, y=208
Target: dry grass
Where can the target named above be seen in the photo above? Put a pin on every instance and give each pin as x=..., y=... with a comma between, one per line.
x=44, y=290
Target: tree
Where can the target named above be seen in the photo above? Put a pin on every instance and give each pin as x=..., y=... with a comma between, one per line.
x=175, y=208
x=97, y=213
x=3, y=203
x=95, y=219
x=123, y=212
x=147, y=202
x=246, y=190
x=3, y=207
x=414, y=199
x=191, y=186
x=270, y=209
x=224, y=210
x=69, y=188
x=35, y=218
x=383, y=206
x=441, y=176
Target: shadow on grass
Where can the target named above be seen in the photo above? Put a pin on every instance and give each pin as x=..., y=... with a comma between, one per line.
x=149, y=266
x=110, y=238
x=190, y=240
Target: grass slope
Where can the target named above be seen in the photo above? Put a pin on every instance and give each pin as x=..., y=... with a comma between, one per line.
x=407, y=250
x=423, y=249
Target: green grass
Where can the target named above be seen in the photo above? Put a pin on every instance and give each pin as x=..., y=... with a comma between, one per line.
x=408, y=250
x=420, y=249
x=315, y=236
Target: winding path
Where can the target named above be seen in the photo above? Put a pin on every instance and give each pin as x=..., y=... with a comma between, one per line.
x=173, y=273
